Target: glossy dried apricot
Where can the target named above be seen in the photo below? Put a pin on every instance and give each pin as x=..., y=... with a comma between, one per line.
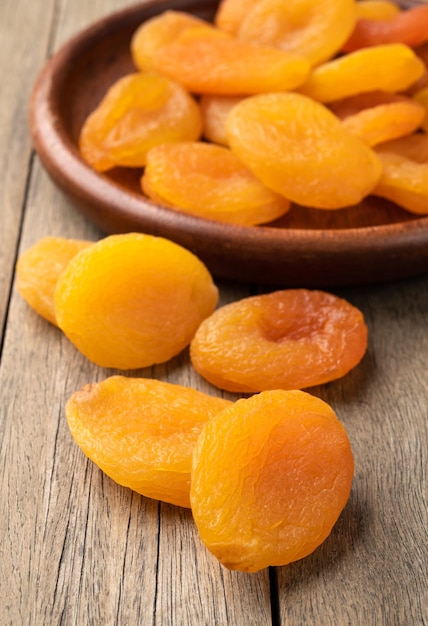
x=404, y=177
x=316, y=30
x=211, y=182
x=158, y=31
x=214, y=111
x=219, y=64
x=271, y=474
x=409, y=27
x=421, y=97
x=138, y=112
x=39, y=268
x=133, y=300
x=389, y=67
x=299, y=148
x=142, y=432
x=377, y=117
x=288, y=339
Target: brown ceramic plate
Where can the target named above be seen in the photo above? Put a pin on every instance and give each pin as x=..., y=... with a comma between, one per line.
x=375, y=241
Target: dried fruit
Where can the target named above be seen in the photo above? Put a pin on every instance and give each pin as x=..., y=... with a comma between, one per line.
x=142, y=432
x=215, y=63
x=389, y=67
x=289, y=339
x=133, y=300
x=298, y=148
x=214, y=111
x=316, y=30
x=138, y=112
x=404, y=177
x=39, y=268
x=158, y=31
x=270, y=476
x=421, y=97
x=409, y=27
x=211, y=182
x=377, y=117
x=230, y=13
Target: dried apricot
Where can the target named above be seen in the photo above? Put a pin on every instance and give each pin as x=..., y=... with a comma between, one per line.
x=209, y=181
x=230, y=13
x=390, y=67
x=409, y=27
x=142, y=432
x=133, y=300
x=204, y=63
x=288, y=339
x=376, y=9
x=316, y=30
x=270, y=476
x=139, y=111
x=214, y=111
x=404, y=178
x=39, y=268
x=158, y=31
x=377, y=117
x=299, y=148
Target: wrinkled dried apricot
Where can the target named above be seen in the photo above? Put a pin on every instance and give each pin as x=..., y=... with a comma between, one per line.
x=288, y=339
x=316, y=30
x=142, y=432
x=409, y=27
x=214, y=111
x=211, y=182
x=158, y=31
x=133, y=300
x=39, y=268
x=377, y=117
x=376, y=9
x=271, y=474
x=404, y=177
x=139, y=111
x=204, y=63
x=389, y=67
x=312, y=151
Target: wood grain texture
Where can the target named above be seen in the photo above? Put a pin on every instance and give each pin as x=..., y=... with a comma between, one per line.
x=77, y=549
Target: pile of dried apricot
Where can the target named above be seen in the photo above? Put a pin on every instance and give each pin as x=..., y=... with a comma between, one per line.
x=266, y=477
x=329, y=81
x=127, y=301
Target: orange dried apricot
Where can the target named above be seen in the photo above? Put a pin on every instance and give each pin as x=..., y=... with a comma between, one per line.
x=270, y=476
x=142, y=432
x=39, y=268
x=299, y=148
x=377, y=117
x=214, y=111
x=133, y=300
x=230, y=13
x=404, y=178
x=211, y=182
x=390, y=67
x=376, y=9
x=158, y=31
x=139, y=111
x=205, y=63
x=288, y=339
x=409, y=27
x=316, y=30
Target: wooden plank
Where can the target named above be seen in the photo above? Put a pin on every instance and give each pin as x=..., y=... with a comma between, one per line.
x=19, y=62
x=372, y=569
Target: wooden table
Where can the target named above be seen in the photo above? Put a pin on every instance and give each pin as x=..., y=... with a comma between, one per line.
x=77, y=549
